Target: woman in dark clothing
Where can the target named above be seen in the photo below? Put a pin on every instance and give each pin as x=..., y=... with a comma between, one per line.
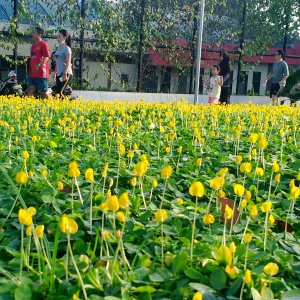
x=225, y=68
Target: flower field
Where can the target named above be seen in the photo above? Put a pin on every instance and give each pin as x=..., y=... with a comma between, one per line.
x=148, y=201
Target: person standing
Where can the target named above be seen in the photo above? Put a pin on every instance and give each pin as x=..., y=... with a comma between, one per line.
x=215, y=84
x=63, y=56
x=279, y=75
x=225, y=72
x=39, y=65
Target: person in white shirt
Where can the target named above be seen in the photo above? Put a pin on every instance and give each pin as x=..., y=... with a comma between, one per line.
x=215, y=84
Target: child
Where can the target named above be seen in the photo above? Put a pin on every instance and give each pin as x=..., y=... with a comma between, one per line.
x=215, y=84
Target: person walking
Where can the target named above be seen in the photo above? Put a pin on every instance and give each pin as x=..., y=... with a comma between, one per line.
x=279, y=75
x=39, y=65
x=63, y=64
x=225, y=72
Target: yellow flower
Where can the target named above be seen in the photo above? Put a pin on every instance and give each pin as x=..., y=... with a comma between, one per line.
x=199, y=162
x=29, y=230
x=248, y=195
x=89, y=174
x=73, y=170
x=208, y=219
x=25, y=155
x=68, y=225
x=179, y=150
x=198, y=296
x=118, y=234
x=179, y=201
x=30, y=174
x=246, y=167
x=113, y=203
x=238, y=159
x=254, y=152
x=228, y=212
x=111, y=182
x=124, y=200
x=254, y=211
x=292, y=183
x=133, y=181
x=31, y=210
x=224, y=255
x=223, y=171
x=21, y=178
x=130, y=154
x=217, y=183
x=196, y=189
x=105, y=234
x=277, y=178
x=135, y=147
x=253, y=138
x=271, y=220
x=238, y=189
x=140, y=168
x=25, y=217
x=45, y=172
x=232, y=247
x=266, y=206
x=295, y=192
x=60, y=186
x=221, y=194
x=168, y=150
x=247, y=238
x=166, y=172
x=122, y=149
x=244, y=203
x=260, y=172
x=161, y=215
x=271, y=269
x=105, y=169
x=34, y=138
x=103, y=206
x=298, y=176
x=231, y=271
x=247, y=277
x=262, y=143
x=154, y=183
x=121, y=216
x=275, y=167
x=39, y=230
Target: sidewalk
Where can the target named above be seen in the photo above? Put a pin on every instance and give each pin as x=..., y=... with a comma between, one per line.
x=159, y=97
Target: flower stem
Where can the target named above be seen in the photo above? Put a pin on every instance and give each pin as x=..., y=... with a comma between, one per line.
x=76, y=268
x=193, y=229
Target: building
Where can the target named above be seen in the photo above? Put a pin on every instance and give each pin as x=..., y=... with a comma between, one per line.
x=164, y=70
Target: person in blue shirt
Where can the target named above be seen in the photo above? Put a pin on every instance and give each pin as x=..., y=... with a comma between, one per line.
x=279, y=75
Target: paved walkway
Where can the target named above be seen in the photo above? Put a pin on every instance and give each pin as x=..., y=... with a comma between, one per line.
x=151, y=97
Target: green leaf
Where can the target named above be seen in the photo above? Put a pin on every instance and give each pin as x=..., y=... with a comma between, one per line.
x=193, y=274
x=267, y=293
x=218, y=279
x=155, y=277
x=291, y=295
x=201, y=287
x=180, y=262
x=255, y=294
x=145, y=289
x=23, y=293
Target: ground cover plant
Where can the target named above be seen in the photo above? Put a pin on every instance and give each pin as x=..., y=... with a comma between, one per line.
x=148, y=201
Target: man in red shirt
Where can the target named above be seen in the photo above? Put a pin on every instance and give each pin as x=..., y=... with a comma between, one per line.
x=39, y=66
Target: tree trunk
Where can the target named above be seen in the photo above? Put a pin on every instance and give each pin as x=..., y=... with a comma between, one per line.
x=193, y=50
x=242, y=39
